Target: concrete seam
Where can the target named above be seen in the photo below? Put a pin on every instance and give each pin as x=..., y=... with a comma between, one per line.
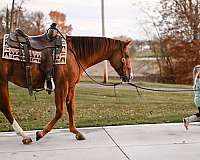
x=116, y=144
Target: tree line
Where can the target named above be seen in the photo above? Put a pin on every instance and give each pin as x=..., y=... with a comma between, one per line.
x=177, y=42
x=33, y=23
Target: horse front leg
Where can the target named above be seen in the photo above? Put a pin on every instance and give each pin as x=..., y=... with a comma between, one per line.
x=6, y=109
x=70, y=109
x=60, y=109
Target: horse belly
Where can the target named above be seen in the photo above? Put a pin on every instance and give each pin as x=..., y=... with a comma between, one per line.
x=17, y=75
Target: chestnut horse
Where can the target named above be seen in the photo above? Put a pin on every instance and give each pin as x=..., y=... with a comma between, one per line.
x=82, y=53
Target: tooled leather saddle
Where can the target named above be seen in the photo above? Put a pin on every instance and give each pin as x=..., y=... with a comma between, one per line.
x=22, y=41
x=18, y=39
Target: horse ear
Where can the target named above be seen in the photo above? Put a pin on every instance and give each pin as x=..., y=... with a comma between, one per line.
x=128, y=42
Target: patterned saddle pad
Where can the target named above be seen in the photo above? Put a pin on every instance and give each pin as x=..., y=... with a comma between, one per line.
x=35, y=56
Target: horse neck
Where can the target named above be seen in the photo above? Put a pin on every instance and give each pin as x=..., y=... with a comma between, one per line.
x=95, y=58
x=91, y=51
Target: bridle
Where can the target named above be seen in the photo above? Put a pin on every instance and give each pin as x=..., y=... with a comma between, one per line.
x=123, y=76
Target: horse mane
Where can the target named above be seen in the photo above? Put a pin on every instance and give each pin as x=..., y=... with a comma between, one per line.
x=87, y=46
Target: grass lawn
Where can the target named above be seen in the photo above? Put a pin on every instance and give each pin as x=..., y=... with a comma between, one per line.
x=98, y=107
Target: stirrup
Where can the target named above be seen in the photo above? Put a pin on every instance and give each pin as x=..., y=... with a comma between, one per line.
x=52, y=84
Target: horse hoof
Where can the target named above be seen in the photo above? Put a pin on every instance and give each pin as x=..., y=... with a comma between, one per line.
x=27, y=140
x=79, y=136
x=38, y=136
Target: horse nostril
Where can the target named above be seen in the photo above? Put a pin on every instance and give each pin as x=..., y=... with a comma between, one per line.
x=131, y=75
x=124, y=78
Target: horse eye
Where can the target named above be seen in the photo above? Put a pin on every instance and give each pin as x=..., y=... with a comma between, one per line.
x=123, y=60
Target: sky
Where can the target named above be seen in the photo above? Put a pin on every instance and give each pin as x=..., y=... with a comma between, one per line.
x=122, y=17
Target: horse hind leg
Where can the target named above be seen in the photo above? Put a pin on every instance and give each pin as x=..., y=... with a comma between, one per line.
x=6, y=109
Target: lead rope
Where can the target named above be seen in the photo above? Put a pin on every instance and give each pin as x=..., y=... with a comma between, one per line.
x=129, y=83
x=161, y=90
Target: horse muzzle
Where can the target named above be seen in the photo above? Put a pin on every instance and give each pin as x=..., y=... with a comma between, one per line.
x=126, y=78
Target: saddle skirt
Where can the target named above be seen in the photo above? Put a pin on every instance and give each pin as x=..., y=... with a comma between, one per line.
x=13, y=43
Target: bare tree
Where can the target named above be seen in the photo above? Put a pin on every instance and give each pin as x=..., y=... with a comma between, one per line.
x=4, y=22
x=11, y=15
x=34, y=23
x=39, y=22
x=181, y=18
x=7, y=19
x=180, y=27
x=155, y=38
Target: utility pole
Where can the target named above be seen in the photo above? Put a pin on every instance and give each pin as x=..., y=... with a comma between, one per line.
x=11, y=16
x=103, y=34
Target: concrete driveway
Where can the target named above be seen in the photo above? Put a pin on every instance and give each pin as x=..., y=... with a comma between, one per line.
x=134, y=142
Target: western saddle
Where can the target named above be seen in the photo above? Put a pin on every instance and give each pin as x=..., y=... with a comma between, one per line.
x=48, y=41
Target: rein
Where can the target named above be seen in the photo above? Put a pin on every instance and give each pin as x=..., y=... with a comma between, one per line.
x=123, y=63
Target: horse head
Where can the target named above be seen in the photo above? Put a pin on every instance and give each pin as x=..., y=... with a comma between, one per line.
x=121, y=62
